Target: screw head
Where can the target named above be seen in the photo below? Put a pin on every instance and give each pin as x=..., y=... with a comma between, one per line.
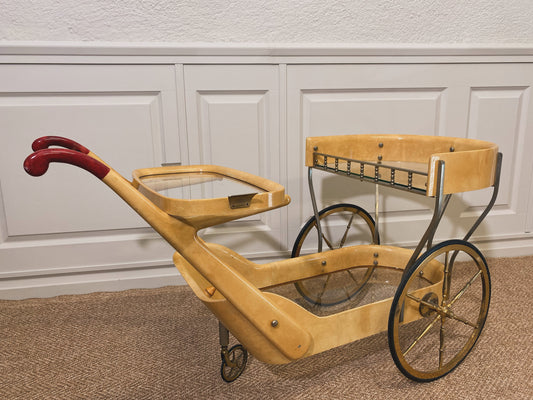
x=274, y=323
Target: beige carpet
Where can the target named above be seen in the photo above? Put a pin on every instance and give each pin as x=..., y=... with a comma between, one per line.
x=163, y=344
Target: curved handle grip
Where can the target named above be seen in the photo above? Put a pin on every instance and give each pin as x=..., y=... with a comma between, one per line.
x=47, y=141
x=36, y=164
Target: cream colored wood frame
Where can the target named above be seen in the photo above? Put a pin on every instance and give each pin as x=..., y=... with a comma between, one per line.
x=273, y=328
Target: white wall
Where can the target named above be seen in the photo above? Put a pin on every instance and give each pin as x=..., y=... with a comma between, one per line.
x=299, y=21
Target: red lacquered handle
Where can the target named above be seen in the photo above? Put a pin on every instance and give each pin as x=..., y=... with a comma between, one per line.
x=36, y=164
x=47, y=141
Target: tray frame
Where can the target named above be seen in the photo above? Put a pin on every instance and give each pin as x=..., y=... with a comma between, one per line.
x=202, y=213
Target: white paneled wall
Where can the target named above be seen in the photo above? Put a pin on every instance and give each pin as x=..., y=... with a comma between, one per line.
x=249, y=109
x=66, y=228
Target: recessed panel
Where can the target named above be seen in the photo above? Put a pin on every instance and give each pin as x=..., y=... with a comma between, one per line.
x=232, y=130
x=394, y=111
x=232, y=133
x=123, y=129
x=496, y=115
x=380, y=111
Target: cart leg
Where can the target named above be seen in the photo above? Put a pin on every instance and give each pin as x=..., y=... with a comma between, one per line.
x=233, y=360
x=315, y=207
x=223, y=335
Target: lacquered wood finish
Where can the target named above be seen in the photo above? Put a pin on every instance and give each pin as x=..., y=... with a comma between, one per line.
x=273, y=328
x=202, y=213
x=326, y=332
x=238, y=300
x=470, y=163
x=291, y=340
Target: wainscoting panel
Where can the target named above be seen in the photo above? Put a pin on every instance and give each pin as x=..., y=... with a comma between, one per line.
x=66, y=221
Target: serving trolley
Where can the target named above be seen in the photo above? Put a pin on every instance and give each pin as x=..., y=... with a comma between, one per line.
x=433, y=316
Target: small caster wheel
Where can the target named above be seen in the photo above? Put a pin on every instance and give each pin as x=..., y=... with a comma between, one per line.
x=233, y=362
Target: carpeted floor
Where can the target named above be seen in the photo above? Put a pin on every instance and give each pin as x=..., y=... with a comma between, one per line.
x=163, y=344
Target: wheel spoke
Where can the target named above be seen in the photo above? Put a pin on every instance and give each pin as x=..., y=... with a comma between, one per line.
x=424, y=332
x=446, y=283
x=441, y=342
x=330, y=245
x=434, y=307
x=346, y=292
x=461, y=319
x=319, y=296
x=465, y=288
x=351, y=276
x=343, y=239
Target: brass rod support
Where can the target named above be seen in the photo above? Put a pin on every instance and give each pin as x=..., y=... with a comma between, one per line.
x=315, y=207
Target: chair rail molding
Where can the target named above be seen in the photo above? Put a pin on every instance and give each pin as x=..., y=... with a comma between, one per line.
x=138, y=52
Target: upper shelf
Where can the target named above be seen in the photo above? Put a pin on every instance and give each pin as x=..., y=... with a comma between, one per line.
x=407, y=162
x=207, y=195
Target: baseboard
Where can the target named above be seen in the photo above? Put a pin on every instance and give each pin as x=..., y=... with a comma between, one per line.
x=101, y=281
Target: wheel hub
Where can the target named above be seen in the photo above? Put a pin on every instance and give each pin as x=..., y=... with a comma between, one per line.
x=428, y=305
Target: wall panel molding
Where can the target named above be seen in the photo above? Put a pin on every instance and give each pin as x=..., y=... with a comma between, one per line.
x=71, y=48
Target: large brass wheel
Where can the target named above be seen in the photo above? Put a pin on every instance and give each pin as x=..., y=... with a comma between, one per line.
x=342, y=225
x=439, y=310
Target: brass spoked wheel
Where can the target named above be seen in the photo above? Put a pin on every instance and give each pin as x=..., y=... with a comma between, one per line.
x=233, y=362
x=342, y=225
x=439, y=310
